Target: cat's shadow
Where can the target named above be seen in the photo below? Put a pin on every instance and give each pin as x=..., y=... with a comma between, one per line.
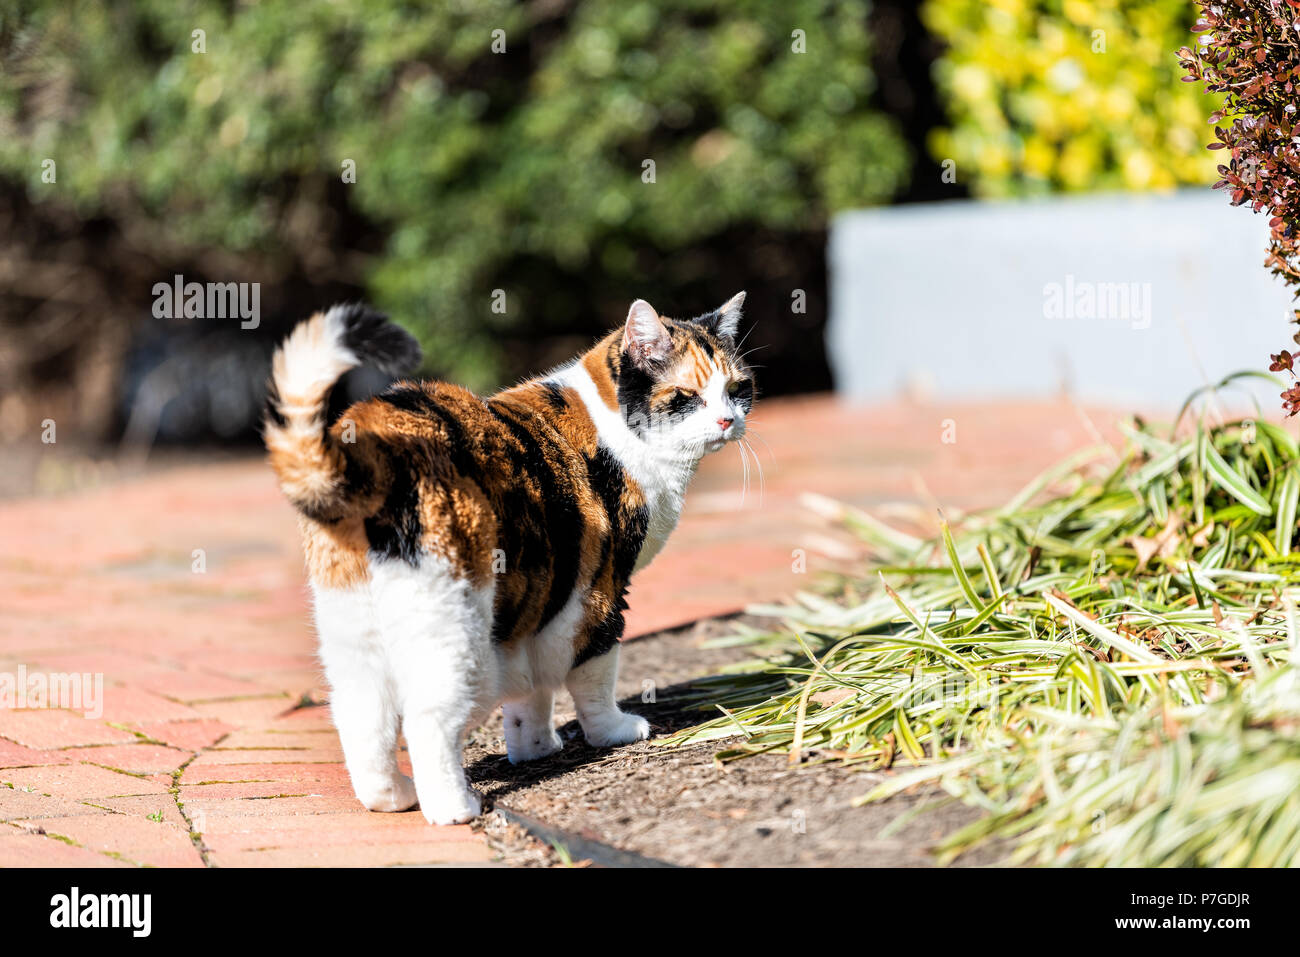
x=495, y=777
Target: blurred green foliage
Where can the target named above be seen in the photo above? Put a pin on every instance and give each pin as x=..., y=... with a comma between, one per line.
x=1064, y=95
x=467, y=160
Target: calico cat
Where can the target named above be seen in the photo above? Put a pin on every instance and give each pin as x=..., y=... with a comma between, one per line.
x=466, y=552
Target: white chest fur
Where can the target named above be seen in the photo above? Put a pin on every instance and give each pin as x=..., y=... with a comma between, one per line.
x=664, y=500
x=662, y=477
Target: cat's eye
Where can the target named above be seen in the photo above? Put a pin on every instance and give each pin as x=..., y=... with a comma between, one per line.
x=737, y=387
x=685, y=394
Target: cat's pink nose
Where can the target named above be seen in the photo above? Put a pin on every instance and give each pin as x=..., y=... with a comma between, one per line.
x=725, y=424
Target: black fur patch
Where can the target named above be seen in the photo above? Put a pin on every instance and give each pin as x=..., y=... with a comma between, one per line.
x=712, y=321
x=555, y=534
x=628, y=528
x=683, y=403
x=396, y=530
x=375, y=341
x=742, y=393
x=555, y=396
x=634, y=385
x=271, y=412
x=603, y=637
x=418, y=402
x=358, y=480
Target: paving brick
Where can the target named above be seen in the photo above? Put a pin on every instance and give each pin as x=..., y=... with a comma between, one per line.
x=40, y=630
x=54, y=728
x=309, y=740
x=248, y=712
x=196, y=686
x=16, y=756
x=138, y=839
x=203, y=803
x=314, y=718
x=18, y=804
x=139, y=758
x=135, y=706
x=250, y=664
x=221, y=758
x=34, y=850
x=187, y=735
x=308, y=682
x=265, y=789
x=296, y=776
x=113, y=665
x=283, y=606
x=408, y=854
x=79, y=781
x=143, y=805
x=244, y=833
x=173, y=630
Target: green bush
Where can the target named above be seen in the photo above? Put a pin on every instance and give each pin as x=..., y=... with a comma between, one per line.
x=470, y=165
x=1065, y=95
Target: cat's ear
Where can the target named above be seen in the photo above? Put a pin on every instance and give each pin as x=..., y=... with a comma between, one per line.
x=725, y=320
x=645, y=337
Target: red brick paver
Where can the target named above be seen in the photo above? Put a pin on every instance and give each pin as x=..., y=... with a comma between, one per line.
x=183, y=593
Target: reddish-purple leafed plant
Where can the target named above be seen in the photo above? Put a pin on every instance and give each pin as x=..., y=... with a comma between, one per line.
x=1249, y=50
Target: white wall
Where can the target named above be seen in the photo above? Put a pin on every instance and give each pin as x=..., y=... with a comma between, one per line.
x=957, y=300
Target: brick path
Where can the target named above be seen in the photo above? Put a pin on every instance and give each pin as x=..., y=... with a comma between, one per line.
x=210, y=750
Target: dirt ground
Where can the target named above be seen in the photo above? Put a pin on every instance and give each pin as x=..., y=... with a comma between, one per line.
x=648, y=806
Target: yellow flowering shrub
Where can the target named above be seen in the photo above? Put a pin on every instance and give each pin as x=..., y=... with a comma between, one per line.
x=1068, y=95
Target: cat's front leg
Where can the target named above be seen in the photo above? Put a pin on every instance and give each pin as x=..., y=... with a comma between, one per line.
x=530, y=726
x=434, y=742
x=592, y=686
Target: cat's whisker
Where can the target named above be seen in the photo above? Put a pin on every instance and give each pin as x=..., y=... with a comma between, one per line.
x=758, y=465
x=751, y=434
x=744, y=464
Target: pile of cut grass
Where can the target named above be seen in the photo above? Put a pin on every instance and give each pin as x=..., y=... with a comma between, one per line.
x=1103, y=665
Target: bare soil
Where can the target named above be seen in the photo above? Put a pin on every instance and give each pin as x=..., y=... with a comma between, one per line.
x=681, y=807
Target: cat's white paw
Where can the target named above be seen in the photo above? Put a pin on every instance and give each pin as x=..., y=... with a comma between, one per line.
x=614, y=728
x=452, y=807
x=395, y=793
x=530, y=747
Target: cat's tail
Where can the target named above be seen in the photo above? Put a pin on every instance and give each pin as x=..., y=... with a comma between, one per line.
x=310, y=461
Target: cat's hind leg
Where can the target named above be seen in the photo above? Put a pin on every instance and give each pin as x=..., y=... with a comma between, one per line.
x=530, y=726
x=592, y=686
x=436, y=629
x=363, y=700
